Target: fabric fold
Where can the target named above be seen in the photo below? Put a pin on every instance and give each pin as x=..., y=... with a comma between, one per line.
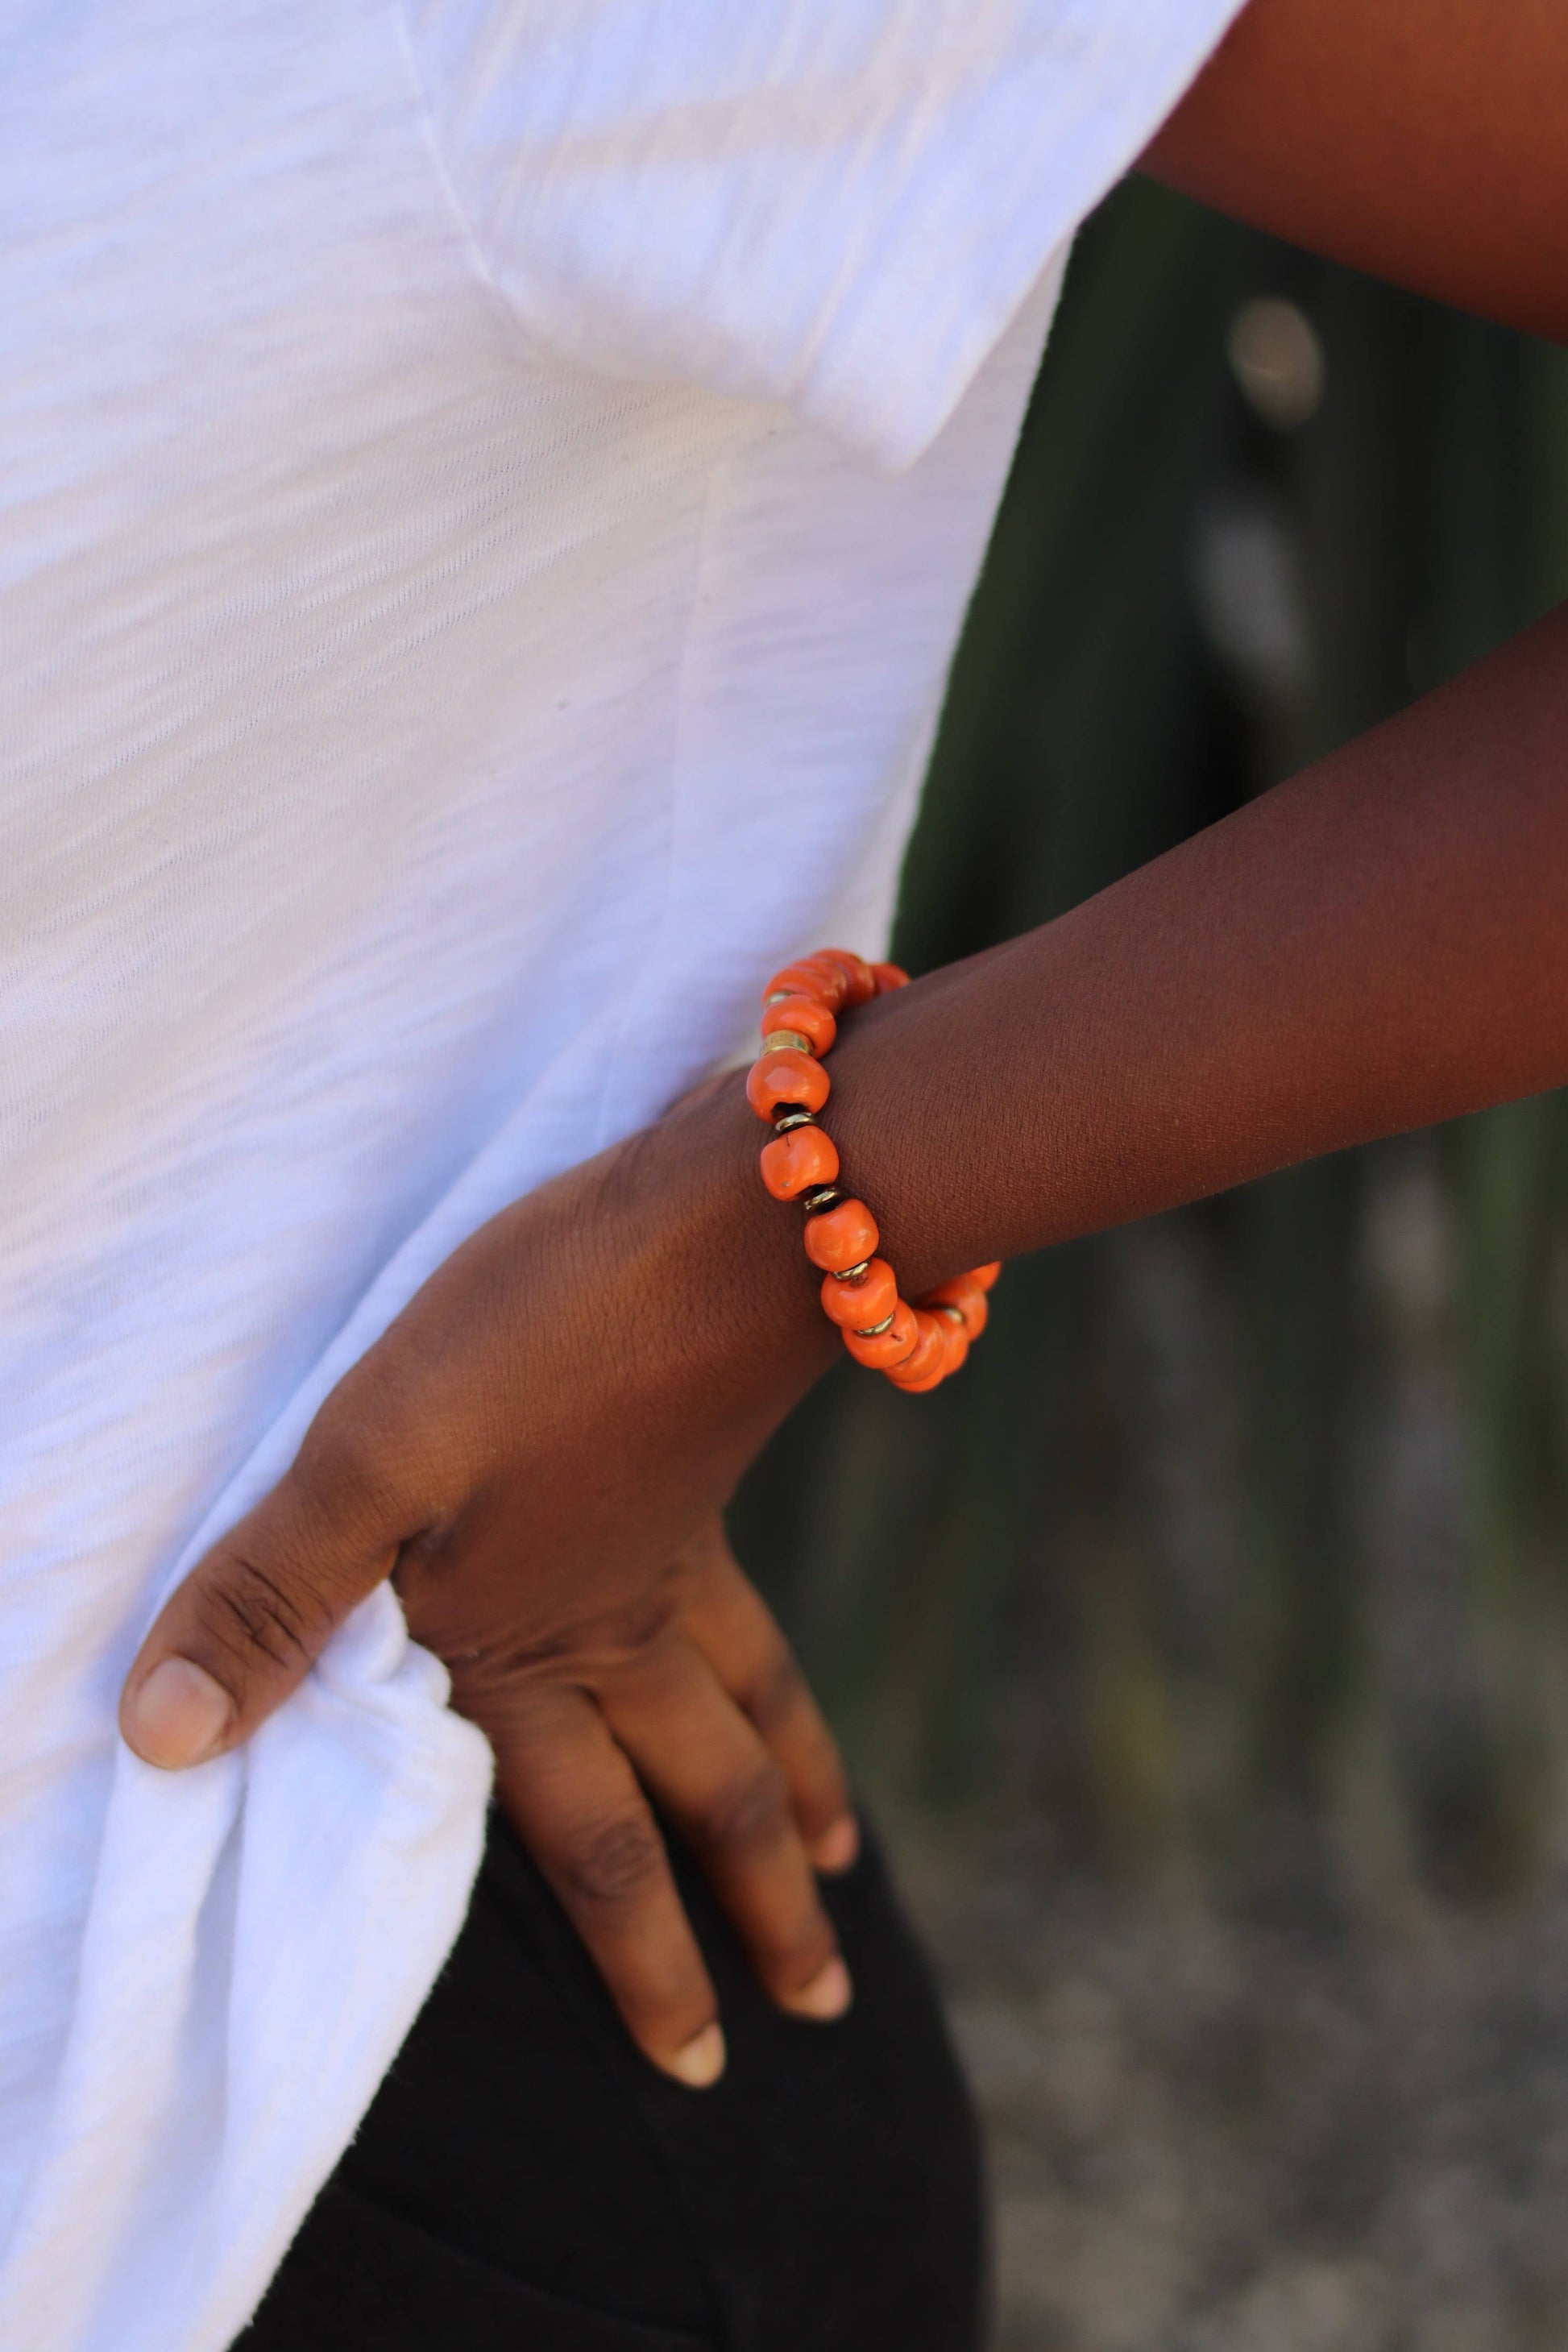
x=833, y=204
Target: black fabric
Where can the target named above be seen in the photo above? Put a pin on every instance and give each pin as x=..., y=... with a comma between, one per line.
x=525, y=2180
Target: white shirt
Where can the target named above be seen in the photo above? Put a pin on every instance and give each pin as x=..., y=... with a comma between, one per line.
x=487, y=499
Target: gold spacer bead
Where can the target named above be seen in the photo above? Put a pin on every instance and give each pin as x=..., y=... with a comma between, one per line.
x=854, y=1274
x=777, y=1038
x=877, y=1329
x=790, y=1119
x=953, y=1314
x=824, y=1196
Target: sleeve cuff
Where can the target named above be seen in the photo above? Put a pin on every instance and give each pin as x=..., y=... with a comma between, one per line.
x=1035, y=150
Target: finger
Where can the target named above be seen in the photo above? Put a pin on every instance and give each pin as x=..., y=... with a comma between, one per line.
x=245, y=1627
x=574, y=1800
x=737, y=1633
x=698, y=1755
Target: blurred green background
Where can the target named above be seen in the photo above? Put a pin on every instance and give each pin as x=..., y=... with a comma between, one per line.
x=1224, y=1596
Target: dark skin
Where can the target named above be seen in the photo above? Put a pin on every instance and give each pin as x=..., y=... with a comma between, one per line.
x=539, y=1448
x=1421, y=141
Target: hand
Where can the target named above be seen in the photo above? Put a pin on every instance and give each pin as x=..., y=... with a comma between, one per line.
x=536, y=1451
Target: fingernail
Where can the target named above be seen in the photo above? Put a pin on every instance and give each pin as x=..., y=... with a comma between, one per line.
x=179, y=1715
x=827, y=1995
x=836, y=1848
x=701, y=2061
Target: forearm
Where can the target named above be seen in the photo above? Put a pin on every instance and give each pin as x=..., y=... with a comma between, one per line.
x=1419, y=140
x=1379, y=944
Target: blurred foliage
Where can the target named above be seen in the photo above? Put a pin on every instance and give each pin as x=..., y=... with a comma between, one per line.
x=1242, y=1541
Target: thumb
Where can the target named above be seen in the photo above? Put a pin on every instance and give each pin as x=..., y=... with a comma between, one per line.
x=247, y=1624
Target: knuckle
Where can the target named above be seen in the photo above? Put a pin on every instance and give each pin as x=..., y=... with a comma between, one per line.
x=750, y=1813
x=775, y=1692
x=343, y=1468
x=614, y=1862
x=253, y=1613
x=646, y=1623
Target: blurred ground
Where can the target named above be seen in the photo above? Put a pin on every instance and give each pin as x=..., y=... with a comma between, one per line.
x=1210, y=2132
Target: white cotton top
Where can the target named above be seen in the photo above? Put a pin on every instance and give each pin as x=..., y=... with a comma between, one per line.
x=488, y=493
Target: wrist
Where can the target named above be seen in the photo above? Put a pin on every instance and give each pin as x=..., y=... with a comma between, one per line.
x=685, y=1212
x=900, y=1068
x=685, y=1203
x=916, y=1336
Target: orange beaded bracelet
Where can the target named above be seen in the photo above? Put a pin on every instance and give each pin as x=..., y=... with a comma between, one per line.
x=917, y=1346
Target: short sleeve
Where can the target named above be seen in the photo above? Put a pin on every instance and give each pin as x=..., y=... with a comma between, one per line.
x=837, y=204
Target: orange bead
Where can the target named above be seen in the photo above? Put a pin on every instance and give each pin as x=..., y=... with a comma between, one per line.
x=832, y=980
x=986, y=1274
x=858, y=1306
x=824, y=983
x=811, y=976
x=934, y=1379
x=786, y=1080
x=965, y=1293
x=857, y=972
x=807, y=1015
x=891, y=1346
x=792, y=1163
x=889, y=976
x=841, y=1237
x=928, y=1363
x=958, y=1338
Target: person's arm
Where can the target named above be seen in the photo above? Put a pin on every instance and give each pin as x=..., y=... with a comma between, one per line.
x=1377, y=945
x=1423, y=141
x=538, y=1445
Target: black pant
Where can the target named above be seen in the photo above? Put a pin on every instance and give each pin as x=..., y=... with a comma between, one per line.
x=525, y=2180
